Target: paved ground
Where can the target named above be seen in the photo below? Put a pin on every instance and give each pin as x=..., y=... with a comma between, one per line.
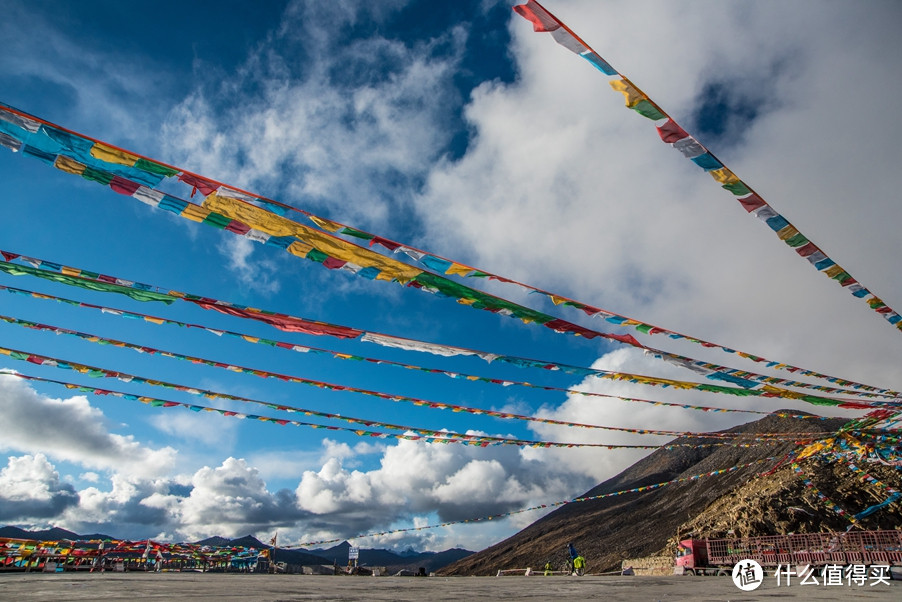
x=180, y=586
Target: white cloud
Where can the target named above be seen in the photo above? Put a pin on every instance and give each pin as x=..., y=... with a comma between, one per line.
x=257, y=275
x=207, y=427
x=75, y=431
x=418, y=479
x=343, y=452
x=356, y=128
x=228, y=500
x=133, y=507
x=231, y=500
x=30, y=488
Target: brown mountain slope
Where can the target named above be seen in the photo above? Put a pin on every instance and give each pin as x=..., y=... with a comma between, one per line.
x=609, y=530
x=783, y=503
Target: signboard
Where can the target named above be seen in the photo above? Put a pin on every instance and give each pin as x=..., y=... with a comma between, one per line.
x=353, y=553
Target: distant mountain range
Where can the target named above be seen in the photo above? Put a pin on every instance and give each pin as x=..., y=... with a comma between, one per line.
x=409, y=559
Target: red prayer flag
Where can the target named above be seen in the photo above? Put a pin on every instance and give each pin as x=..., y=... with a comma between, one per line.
x=670, y=132
x=123, y=186
x=540, y=18
x=333, y=264
x=237, y=227
x=808, y=249
x=205, y=186
x=752, y=202
x=388, y=244
x=286, y=323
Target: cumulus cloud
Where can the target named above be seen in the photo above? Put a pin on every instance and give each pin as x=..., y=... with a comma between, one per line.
x=449, y=481
x=232, y=499
x=30, y=488
x=228, y=500
x=74, y=430
x=132, y=507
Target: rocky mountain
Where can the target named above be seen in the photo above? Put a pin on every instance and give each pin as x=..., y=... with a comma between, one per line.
x=609, y=530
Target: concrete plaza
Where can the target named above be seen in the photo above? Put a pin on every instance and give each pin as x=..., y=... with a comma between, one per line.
x=181, y=586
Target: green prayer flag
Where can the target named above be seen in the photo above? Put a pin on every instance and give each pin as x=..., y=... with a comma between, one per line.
x=480, y=300
x=97, y=175
x=104, y=287
x=738, y=188
x=842, y=276
x=217, y=220
x=155, y=168
x=356, y=233
x=317, y=255
x=647, y=109
x=797, y=241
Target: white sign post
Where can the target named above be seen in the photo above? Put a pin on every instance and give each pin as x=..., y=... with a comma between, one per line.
x=353, y=554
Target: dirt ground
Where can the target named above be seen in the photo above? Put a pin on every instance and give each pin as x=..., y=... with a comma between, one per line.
x=172, y=586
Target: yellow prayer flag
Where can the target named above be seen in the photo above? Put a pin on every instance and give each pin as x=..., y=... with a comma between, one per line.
x=633, y=95
x=724, y=176
x=113, y=155
x=787, y=232
x=782, y=392
x=70, y=271
x=299, y=248
x=253, y=216
x=389, y=269
x=834, y=270
x=274, y=225
x=324, y=223
x=69, y=165
x=195, y=212
x=457, y=269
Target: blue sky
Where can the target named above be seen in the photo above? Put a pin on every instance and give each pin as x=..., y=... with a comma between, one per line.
x=454, y=128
